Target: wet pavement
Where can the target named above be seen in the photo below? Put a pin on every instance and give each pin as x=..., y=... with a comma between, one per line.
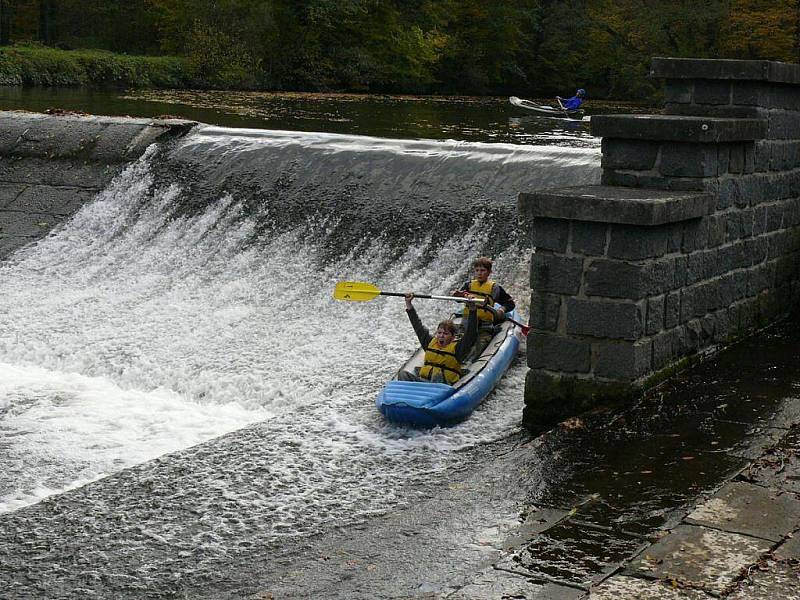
x=691, y=493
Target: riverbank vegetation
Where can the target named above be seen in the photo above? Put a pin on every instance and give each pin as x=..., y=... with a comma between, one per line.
x=524, y=47
x=37, y=65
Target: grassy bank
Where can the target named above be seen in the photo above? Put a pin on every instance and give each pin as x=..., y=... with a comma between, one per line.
x=38, y=65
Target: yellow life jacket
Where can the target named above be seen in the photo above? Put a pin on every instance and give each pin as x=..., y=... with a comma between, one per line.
x=482, y=290
x=441, y=359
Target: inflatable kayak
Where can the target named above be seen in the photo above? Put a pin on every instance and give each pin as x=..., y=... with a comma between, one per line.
x=543, y=109
x=430, y=404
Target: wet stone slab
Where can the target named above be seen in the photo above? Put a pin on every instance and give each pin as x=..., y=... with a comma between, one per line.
x=500, y=584
x=769, y=580
x=741, y=507
x=779, y=468
x=790, y=549
x=699, y=557
x=536, y=521
x=622, y=587
x=621, y=480
x=574, y=554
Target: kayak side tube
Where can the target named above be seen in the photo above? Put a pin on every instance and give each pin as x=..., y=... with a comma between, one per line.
x=431, y=404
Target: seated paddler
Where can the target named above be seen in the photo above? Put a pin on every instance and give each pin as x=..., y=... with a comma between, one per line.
x=483, y=288
x=444, y=354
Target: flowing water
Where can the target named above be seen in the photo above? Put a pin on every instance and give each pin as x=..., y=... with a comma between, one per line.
x=177, y=341
x=192, y=298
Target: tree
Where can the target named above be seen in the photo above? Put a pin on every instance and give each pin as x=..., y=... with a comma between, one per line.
x=759, y=29
x=5, y=22
x=47, y=18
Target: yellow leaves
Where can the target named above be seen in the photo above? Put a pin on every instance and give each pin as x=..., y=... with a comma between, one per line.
x=760, y=30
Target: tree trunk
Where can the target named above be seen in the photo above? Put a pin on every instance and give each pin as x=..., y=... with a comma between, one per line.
x=5, y=22
x=47, y=14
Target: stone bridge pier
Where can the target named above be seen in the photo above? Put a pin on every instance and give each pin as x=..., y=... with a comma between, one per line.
x=690, y=242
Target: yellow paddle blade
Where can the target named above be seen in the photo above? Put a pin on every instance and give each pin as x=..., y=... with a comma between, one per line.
x=355, y=291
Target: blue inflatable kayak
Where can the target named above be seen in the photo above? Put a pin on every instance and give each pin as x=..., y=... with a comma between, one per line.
x=430, y=404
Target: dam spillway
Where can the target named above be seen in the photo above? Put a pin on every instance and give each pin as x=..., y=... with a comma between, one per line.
x=171, y=354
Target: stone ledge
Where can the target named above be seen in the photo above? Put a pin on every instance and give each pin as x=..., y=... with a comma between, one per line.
x=612, y=204
x=707, y=68
x=679, y=128
x=93, y=139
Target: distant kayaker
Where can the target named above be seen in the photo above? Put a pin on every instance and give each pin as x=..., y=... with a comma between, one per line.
x=483, y=287
x=574, y=103
x=443, y=353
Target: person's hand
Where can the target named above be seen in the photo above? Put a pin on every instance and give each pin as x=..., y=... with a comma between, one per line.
x=409, y=296
x=501, y=313
x=459, y=294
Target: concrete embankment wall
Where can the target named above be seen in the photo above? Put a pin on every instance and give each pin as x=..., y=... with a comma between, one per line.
x=692, y=240
x=51, y=165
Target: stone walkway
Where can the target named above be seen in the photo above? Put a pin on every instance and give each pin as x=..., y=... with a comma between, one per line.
x=739, y=543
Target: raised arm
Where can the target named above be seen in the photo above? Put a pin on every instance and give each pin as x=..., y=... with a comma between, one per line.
x=423, y=335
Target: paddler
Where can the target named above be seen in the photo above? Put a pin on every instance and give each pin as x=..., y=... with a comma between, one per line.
x=444, y=354
x=574, y=103
x=483, y=288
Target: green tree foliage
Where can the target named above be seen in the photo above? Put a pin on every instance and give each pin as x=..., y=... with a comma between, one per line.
x=524, y=47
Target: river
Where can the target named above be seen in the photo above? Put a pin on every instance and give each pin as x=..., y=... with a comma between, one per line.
x=192, y=297
x=186, y=412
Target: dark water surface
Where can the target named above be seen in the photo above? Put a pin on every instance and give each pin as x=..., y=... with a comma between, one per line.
x=477, y=119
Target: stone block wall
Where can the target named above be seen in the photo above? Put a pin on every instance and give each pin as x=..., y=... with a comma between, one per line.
x=692, y=240
x=51, y=165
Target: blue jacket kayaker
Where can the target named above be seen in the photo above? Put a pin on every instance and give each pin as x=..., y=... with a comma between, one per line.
x=573, y=103
x=443, y=353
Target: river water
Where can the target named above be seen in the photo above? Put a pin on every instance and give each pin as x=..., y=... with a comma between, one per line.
x=463, y=118
x=193, y=296
x=173, y=355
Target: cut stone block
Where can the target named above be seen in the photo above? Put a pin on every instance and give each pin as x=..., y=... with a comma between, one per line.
x=789, y=550
x=574, y=553
x=679, y=128
x=707, y=68
x=746, y=508
x=700, y=557
x=501, y=584
x=615, y=204
x=777, y=580
x=619, y=587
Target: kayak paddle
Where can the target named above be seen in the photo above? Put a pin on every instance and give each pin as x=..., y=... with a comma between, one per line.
x=359, y=291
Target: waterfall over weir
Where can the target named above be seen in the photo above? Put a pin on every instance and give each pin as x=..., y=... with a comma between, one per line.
x=192, y=298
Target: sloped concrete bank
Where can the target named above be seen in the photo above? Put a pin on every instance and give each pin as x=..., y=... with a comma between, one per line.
x=50, y=165
x=663, y=500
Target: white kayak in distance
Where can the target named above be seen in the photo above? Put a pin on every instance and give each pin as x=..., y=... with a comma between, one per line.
x=548, y=111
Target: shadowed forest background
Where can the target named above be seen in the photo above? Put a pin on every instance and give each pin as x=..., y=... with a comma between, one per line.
x=521, y=47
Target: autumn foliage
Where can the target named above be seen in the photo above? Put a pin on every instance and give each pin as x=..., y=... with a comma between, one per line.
x=522, y=47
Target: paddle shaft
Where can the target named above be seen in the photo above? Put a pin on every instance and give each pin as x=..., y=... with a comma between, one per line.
x=429, y=297
x=525, y=328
